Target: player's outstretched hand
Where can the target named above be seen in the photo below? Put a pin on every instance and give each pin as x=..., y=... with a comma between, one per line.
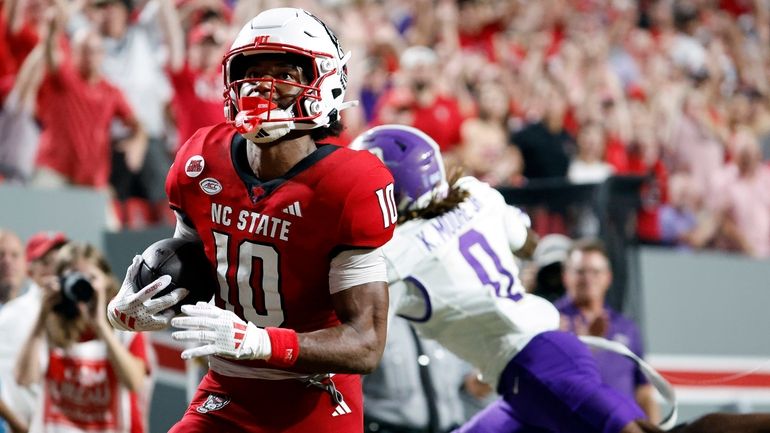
x=135, y=310
x=219, y=332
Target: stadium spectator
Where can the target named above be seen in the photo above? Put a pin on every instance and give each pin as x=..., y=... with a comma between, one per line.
x=480, y=23
x=743, y=201
x=587, y=277
x=645, y=158
x=686, y=50
x=679, y=217
x=545, y=145
x=430, y=100
x=685, y=221
x=133, y=63
x=85, y=356
x=76, y=106
x=20, y=131
x=195, y=71
x=13, y=283
x=13, y=268
x=22, y=24
x=18, y=318
x=588, y=164
x=695, y=146
x=484, y=150
x=380, y=63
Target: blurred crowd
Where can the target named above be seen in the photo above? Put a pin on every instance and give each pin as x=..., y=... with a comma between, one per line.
x=100, y=93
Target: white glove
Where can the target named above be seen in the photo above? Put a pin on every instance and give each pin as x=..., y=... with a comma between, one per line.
x=221, y=332
x=130, y=310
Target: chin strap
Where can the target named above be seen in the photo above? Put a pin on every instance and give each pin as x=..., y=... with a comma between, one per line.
x=662, y=385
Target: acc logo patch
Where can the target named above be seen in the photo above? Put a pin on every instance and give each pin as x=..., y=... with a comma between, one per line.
x=210, y=186
x=212, y=403
x=194, y=166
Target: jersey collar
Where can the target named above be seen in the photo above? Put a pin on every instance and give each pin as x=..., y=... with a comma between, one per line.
x=259, y=189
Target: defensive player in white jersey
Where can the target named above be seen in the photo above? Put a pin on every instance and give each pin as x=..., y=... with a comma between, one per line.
x=453, y=274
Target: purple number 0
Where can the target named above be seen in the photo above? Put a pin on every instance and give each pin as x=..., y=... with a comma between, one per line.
x=471, y=238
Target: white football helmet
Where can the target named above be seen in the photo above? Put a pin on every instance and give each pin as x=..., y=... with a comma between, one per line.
x=286, y=31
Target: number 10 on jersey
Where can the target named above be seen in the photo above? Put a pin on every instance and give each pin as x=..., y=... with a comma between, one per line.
x=263, y=312
x=387, y=205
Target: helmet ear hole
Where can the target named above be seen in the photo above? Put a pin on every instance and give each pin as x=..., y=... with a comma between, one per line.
x=315, y=107
x=326, y=66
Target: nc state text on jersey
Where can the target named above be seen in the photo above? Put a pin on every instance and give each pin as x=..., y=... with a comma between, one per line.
x=252, y=222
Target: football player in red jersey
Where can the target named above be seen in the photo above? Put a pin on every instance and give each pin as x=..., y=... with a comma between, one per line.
x=293, y=228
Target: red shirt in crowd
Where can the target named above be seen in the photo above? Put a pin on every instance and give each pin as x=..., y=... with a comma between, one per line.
x=482, y=40
x=440, y=120
x=654, y=194
x=198, y=101
x=75, y=117
x=14, y=48
x=82, y=392
x=7, y=62
x=615, y=154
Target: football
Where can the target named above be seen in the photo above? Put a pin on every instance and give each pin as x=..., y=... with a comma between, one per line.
x=185, y=262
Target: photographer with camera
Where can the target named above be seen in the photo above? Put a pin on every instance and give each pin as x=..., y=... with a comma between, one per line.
x=96, y=377
x=17, y=316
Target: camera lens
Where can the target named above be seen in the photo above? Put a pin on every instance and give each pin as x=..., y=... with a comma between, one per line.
x=75, y=289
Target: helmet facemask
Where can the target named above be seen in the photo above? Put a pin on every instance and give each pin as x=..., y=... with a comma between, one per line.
x=291, y=37
x=267, y=107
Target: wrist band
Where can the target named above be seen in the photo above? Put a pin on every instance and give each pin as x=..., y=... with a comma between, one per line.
x=285, y=346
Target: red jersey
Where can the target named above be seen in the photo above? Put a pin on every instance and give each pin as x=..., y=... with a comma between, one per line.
x=272, y=242
x=76, y=117
x=82, y=392
x=194, y=88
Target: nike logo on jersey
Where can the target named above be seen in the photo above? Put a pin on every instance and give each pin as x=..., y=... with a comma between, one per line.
x=293, y=209
x=341, y=409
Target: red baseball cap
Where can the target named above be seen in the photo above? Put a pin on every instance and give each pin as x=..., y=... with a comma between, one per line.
x=42, y=242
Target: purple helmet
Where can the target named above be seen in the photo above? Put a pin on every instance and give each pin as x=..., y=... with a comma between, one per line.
x=412, y=157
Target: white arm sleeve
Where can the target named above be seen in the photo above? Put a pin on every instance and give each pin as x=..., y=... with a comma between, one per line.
x=184, y=231
x=516, y=225
x=353, y=267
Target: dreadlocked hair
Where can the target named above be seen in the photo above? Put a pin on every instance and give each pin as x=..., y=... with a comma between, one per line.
x=439, y=206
